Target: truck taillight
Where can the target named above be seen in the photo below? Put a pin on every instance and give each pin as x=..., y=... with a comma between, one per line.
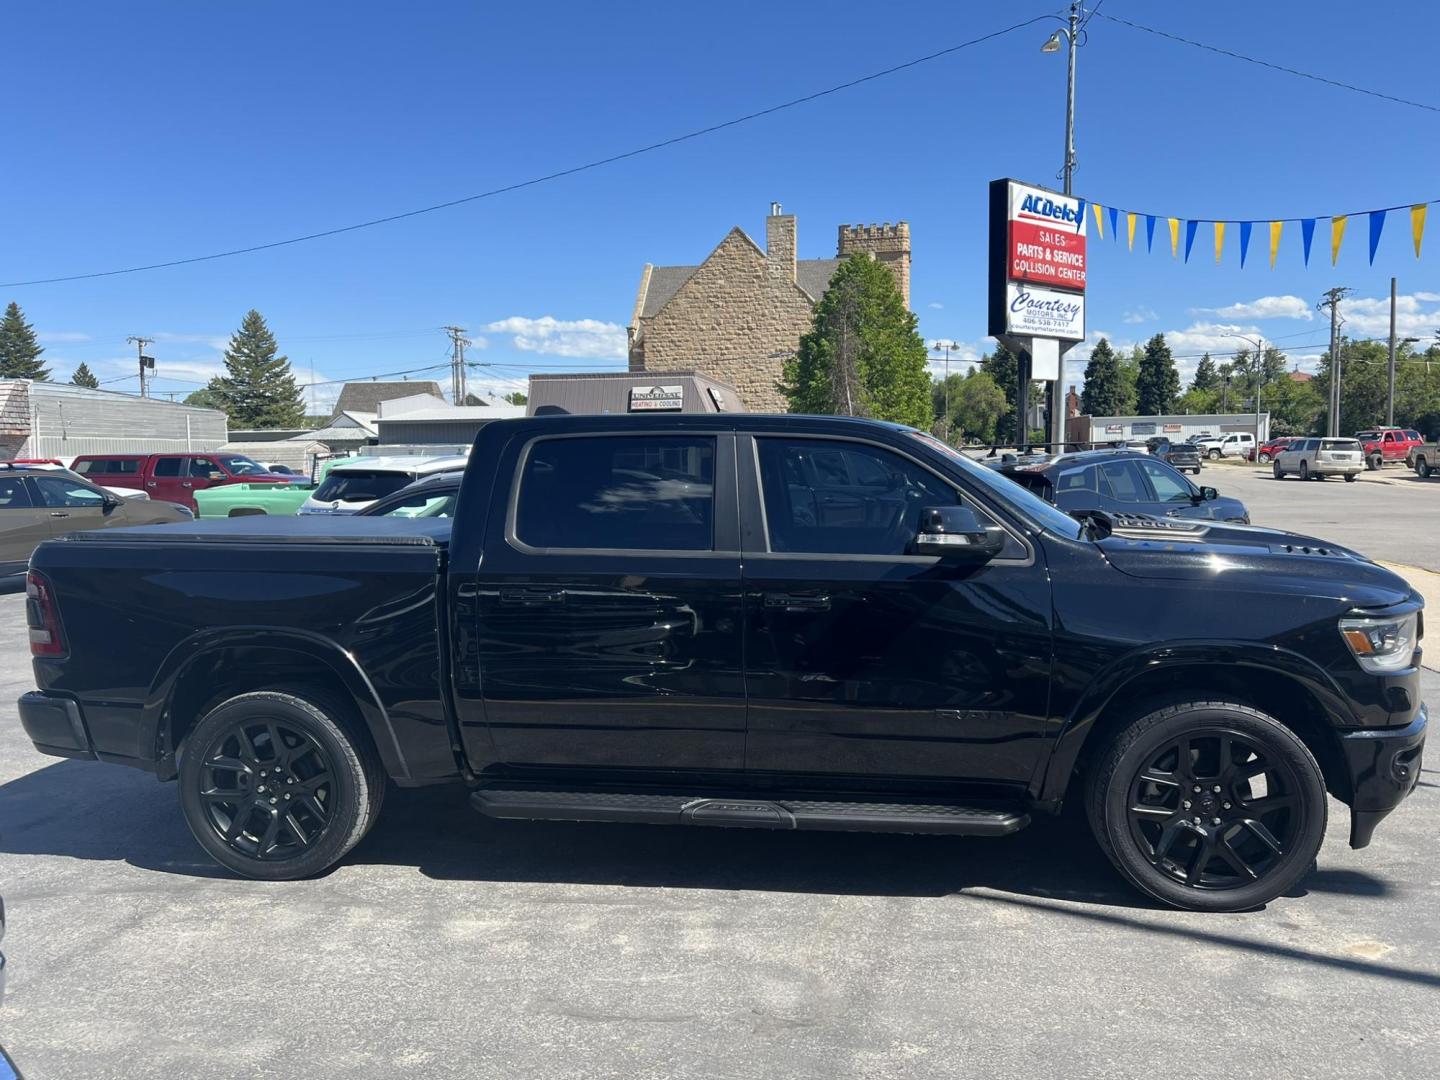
x=47, y=637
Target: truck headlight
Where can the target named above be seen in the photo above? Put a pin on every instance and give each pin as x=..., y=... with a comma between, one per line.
x=1382, y=644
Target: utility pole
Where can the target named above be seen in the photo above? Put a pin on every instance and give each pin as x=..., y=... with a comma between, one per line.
x=458, y=341
x=1071, y=37
x=145, y=361
x=1332, y=302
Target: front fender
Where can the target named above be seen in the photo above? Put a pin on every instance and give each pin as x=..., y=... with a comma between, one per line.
x=317, y=648
x=1172, y=656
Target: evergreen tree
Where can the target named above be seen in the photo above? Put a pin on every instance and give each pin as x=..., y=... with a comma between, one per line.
x=19, y=348
x=863, y=355
x=1158, y=383
x=258, y=389
x=1003, y=366
x=1206, y=377
x=84, y=377
x=1101, y=396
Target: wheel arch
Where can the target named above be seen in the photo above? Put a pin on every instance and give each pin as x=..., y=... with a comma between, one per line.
x=217, y=664
x=1284, y=685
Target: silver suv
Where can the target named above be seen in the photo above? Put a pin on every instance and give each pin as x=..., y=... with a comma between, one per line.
x=1320, y=457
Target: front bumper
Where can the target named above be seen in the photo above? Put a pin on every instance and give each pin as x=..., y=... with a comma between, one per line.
x=55, y=725
x=1384, y=766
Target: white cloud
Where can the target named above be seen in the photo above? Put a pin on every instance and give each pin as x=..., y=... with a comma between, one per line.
x=936, y=305
x=1369, y=316
x=1140, y=315
x=218, y=343
x=1264, y=307
x=590, y=339
x=1427, y=297
x=61, y=336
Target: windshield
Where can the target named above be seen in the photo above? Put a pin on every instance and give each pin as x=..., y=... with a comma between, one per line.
x=360, y=485
x=241, y=465
x=1007, y=491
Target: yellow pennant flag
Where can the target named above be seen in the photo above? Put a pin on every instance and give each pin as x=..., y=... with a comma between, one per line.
x=1337, y=236
x=1099, y=219
x=1275, y=227
x=1417, y=225
x=1174, y=236
x=1219, y=240
x=1130, y=224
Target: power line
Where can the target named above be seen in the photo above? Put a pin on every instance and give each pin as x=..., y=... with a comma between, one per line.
x=1265, y=63
x=533, y=181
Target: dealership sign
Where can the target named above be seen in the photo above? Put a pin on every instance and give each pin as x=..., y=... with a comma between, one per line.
x=1037, y=312
x=1037, y=263
x=1045, y=238
x=657, y=398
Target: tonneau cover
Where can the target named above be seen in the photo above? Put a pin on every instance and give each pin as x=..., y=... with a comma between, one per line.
x=268, y=529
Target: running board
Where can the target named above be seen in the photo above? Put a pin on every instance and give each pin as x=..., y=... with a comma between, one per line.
x=744, y=812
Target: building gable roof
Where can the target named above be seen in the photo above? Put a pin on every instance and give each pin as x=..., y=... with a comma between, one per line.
x=365, y=397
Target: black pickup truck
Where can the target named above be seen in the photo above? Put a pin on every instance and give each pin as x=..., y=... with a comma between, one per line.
x=763, y=621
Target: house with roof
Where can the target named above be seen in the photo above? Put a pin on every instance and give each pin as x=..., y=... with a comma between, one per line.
x=739, y=315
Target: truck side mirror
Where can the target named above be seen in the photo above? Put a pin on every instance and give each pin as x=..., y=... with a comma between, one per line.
x=955, y=534
x=1209, y=494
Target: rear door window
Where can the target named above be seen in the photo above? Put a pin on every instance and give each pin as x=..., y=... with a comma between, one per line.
x=1121, y=481
x=625, y=493
x=168, y=466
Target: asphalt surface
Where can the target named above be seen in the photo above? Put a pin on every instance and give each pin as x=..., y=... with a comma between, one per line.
x=449, y=945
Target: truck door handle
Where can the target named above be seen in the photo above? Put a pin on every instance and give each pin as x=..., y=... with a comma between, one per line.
x=152, y=484
x=186, y=484
x=798, y=601
x=531, y=596
x=59, y=513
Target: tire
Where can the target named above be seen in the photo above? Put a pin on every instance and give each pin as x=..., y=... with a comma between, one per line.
x=1264, y=459
x=1422, y=468
x=1349, y=478
x=1373, y=462
x=1277, y=471
x=1304, y=470
x=334, y=775
x=1213, y=455
x=1148, y=848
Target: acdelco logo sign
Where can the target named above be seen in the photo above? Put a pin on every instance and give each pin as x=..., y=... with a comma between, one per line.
x=1039, y=206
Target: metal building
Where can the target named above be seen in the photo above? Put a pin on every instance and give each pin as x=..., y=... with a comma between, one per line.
x=595, y=393
x=1101, y=430
x=58, y=420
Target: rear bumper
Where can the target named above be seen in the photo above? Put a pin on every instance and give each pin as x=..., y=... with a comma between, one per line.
x=55, y=725
x=1384, y=766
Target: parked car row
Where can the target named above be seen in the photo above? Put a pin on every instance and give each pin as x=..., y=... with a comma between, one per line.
x=1124, y=482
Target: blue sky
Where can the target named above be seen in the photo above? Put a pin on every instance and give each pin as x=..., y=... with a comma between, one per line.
x=145, y=132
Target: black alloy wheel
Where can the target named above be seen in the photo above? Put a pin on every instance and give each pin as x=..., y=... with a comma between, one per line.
x=1208, y=805
x=278, y=786
x=268, y=788
x=1212, y=811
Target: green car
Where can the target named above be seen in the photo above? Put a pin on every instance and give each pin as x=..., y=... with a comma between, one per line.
x=239, y=500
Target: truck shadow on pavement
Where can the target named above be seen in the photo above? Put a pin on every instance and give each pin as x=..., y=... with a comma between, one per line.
x=85, y=810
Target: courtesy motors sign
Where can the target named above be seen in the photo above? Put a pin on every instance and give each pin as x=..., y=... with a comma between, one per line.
x=1045, y=241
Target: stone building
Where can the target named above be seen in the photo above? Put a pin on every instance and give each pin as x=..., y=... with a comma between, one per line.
x=740, y=314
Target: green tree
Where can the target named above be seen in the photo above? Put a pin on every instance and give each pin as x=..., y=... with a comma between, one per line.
x=258, y=389
x=863, y=355
x=1129, y=377
x=1003, y=366
x=516, y=397
x=1102, y=393
x=19, y=348
x=976, y=405
x=84, y=377
x=204, y=398
x=1196, y=400
x=1206, y=377
x=1158, y=383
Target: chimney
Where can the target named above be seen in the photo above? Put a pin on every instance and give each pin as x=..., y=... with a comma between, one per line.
x=780, y=241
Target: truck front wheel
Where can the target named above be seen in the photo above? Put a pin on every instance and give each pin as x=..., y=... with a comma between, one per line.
x=274, y=787
x=1208, y=805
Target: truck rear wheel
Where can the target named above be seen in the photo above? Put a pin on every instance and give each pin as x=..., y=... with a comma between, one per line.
x=1422, y=468
x=274, y=787
x=1208, y=805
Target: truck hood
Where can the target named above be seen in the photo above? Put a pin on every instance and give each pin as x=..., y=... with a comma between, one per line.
x=1283, y=561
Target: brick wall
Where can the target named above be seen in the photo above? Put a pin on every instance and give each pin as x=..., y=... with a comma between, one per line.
x=728, y=321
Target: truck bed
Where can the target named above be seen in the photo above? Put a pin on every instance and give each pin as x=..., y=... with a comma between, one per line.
x=260, y=529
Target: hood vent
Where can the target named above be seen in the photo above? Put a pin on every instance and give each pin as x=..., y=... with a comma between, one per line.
x=1318, y=550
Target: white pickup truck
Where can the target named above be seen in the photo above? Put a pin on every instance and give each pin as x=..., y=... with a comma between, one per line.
x=1231, y=444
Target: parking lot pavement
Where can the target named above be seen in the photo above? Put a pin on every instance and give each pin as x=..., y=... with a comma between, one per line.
x=449, y=945
x=1390, y=515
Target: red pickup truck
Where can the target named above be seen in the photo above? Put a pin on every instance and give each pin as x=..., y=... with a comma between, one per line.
x=1384, y=445
x=175, y=477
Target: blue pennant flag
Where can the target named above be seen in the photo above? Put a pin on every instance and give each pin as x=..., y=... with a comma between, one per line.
x=1149, y=231
x=1190, y=227
x=1114, y=223
x=1245, y=227
x=1307, y=231
x=1377, y=223
x=1080, y=217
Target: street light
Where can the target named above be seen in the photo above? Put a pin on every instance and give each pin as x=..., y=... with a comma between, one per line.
x=946, y=346
x=1259, y=344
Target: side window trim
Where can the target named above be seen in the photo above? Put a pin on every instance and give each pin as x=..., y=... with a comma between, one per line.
x=752, y=508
